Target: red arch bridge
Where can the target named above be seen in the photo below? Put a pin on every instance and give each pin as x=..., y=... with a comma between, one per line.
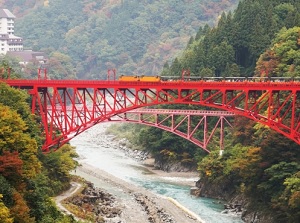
x=72, y=106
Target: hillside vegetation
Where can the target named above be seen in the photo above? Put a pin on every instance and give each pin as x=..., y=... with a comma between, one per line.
x=28, y=178
x=260, y=38
x=84, y=38
x=233, y=47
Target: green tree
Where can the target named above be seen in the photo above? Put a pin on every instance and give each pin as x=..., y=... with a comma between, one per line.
x=276, y=176
x=284, y=15
x=20, y=102
x=231, y=70
x=165, y=71
x=289, y=202
x=58, y=165
x=38, y=200
x=286, y=48
x=292, y=191
x=176, y=68
x=206, y=72
x=7, y=192
x=220, y=56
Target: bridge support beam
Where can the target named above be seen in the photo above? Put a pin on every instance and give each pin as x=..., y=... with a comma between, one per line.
x=275, y=104
x=197, y=126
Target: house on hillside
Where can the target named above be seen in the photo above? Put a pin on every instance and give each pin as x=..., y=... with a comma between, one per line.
x=27, y=56
x=8, y=41
x=12, y=45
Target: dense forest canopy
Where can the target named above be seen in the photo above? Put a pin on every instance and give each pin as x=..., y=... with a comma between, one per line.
x=260, y=38
x=84, y=38
x=233, y=47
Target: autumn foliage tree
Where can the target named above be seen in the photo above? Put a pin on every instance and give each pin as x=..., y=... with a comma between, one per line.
x=282, y=59
x=20, y=210
x=4, y=212
x=15, y=139
x=24, y=178
x=11, y=166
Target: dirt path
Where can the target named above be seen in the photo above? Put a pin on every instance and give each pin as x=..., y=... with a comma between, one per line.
x=58, y=199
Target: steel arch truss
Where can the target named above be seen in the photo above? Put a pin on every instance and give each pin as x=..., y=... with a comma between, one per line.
x=280, y=110
x=70, y=107
x=196, y=126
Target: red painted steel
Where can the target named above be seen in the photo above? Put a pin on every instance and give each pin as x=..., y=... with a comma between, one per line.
x=196, y=126
x=274, y=104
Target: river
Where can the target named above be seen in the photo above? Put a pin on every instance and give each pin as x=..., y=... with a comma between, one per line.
x=95, y=149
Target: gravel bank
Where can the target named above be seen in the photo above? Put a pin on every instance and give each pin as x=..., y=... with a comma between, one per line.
x=137, y=204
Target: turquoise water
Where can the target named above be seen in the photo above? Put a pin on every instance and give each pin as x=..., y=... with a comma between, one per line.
x=93, y=149
x=208, y=209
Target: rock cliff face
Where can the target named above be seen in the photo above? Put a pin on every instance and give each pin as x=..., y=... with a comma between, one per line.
x=218, y=191
x=173, y=166
x=236, y=203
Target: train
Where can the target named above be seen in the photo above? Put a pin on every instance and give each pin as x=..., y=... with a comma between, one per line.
x=144, y=78
x=140, y=78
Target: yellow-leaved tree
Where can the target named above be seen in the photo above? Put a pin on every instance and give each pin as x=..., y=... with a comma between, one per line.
x=14, y=138
x=4, y=213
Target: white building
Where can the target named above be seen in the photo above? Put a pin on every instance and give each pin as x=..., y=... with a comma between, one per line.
x=8, y=41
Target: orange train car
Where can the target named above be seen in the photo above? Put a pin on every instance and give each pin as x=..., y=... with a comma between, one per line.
x=150, y=78
x=128, y=78
x=140, y=78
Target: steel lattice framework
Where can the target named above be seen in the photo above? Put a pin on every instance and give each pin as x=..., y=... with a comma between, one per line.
x=197, y=126
x=72, y=106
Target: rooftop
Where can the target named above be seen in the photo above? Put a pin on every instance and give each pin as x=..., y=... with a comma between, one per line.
x=5, y=13
x=28, y=55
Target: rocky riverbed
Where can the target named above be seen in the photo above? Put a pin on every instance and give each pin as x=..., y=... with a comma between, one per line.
x=128, y=203
x=114, y=200
x=95, y=204
x=136, y=204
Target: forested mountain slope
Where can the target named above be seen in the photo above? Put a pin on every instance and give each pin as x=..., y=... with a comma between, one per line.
x=84, y=38
x=233, y=47
x=260, y=38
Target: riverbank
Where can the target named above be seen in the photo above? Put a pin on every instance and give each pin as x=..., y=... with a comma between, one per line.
x=104, y=158
x=137, y=204
x=183, y=178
